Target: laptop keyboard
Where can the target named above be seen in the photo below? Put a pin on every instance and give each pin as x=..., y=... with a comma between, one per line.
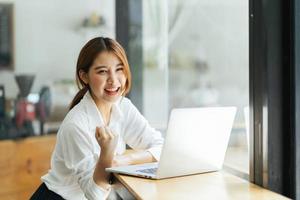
x=148, y=171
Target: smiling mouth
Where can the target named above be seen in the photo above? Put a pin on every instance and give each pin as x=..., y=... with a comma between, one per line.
x=112, y=91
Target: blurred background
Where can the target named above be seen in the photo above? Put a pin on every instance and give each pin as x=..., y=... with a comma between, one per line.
x=183, y=53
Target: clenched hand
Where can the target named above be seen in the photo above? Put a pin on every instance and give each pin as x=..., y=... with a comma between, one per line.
x=107, y=140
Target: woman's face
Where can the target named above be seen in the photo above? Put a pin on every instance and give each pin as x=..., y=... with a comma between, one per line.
x=106, y=78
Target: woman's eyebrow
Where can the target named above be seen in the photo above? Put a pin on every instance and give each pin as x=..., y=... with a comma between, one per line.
x=100, y=67
x=119, y=64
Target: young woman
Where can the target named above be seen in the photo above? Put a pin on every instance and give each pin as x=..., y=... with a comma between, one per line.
x=100, y=123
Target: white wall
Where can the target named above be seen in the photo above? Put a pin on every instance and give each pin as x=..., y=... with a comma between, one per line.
x=48, y=39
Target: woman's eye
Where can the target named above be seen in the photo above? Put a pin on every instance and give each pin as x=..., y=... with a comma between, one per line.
x=102, y=72
x=120, y=69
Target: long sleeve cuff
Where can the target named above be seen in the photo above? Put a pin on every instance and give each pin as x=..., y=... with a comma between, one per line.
x=155, y=151
x=95, y=192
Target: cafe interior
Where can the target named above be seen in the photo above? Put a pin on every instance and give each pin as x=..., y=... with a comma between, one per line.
x=182, y=54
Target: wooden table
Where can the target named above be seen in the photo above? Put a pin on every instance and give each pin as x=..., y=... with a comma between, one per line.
x=215, y=185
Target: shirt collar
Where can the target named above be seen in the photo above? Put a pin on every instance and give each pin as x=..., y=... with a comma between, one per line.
x=95, y=114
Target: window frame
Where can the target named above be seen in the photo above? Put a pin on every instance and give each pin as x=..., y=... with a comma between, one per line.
x=275, y=95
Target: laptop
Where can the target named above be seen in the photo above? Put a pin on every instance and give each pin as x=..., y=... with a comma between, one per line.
x=196, y=142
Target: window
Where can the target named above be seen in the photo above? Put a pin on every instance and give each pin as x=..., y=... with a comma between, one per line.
x=196, y=55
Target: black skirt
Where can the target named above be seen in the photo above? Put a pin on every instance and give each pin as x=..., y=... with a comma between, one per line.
x=43, y=193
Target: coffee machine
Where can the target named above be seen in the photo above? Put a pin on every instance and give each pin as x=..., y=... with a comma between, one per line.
x=25, y=110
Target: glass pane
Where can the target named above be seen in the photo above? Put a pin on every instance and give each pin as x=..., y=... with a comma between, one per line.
x=207, y=63
x=155, y=48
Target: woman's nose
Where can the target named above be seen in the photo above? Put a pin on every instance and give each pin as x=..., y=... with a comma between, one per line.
x=112, y=78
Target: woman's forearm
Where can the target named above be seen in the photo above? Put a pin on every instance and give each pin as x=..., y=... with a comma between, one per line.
x=100, y=176
x=139, y=157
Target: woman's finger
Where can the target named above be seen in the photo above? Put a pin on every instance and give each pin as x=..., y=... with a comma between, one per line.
x=109, y=133
x=97, y=133
x=103, y=134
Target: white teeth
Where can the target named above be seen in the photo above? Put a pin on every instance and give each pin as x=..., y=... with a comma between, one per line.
x=112, y=89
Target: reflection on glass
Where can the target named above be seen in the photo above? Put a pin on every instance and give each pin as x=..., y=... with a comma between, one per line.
x=207, y=58
x=155, y=47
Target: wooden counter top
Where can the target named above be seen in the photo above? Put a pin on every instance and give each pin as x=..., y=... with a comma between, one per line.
x=215, y=185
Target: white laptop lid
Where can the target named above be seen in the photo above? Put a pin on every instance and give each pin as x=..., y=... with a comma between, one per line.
x=196, y=140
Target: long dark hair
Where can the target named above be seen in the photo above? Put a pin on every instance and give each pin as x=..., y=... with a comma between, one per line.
x=86, y=57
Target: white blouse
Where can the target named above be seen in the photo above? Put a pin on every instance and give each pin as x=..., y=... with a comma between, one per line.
x=77, y=151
